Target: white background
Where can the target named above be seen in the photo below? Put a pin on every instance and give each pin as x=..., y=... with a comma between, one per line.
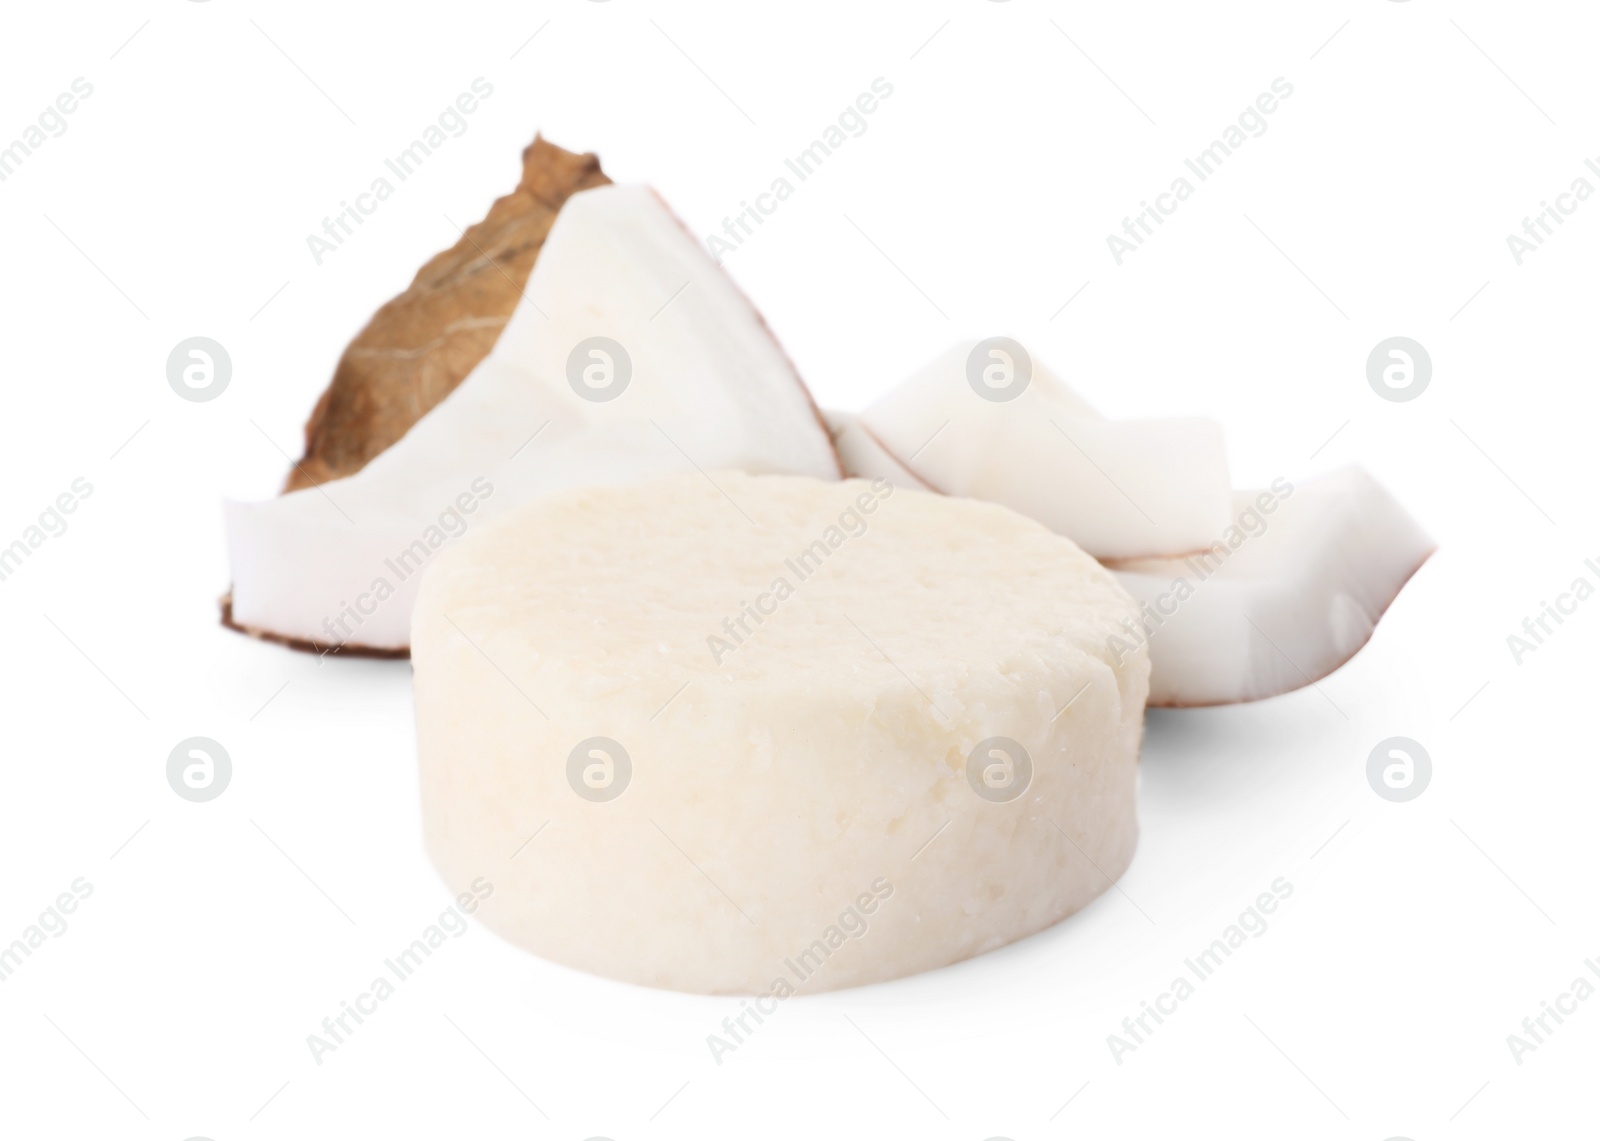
x=1018, y=137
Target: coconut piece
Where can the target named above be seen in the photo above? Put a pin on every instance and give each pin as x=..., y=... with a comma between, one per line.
x=1280, y=599
x=985, y=420
x=631, y=353
x=862, y=456
x=696, y=734
x=421, y=344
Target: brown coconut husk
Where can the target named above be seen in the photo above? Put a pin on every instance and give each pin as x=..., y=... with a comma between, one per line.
x=422, y=343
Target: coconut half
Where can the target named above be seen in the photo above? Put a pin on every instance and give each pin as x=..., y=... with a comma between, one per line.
x=630, y=353
x=986, y=421
x=1282, y=597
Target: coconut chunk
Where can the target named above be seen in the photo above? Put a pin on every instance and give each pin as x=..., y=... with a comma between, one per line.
x=747, y=757
x=1281, y=598
x=862, y=456
x=986, y=420
x=630, y=353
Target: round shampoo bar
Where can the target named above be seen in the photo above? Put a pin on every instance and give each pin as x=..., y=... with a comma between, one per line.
x=766, y=734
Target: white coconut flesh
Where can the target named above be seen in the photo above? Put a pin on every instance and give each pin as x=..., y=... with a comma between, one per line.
x=1282, y=597
x=862, y=456
x=718, y=737
x=985, y=420
x=630, y=353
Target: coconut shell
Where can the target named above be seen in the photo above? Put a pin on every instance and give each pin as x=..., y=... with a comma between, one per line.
x=424, y=342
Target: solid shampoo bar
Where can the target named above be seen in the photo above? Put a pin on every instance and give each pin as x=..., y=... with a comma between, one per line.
x=733, y=733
